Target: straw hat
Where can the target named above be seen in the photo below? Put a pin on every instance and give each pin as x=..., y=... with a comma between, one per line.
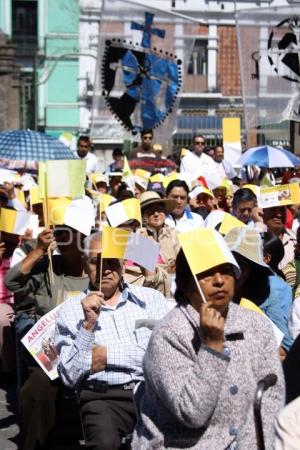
x=150, y=198
x=248, y=243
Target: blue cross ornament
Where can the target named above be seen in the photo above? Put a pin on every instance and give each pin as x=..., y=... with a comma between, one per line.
x=148, y=31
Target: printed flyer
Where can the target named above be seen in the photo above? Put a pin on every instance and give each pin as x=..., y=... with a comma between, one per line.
x=39, y=341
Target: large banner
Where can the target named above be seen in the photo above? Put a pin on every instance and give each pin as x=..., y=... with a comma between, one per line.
x=142, y=56
x=268, y=40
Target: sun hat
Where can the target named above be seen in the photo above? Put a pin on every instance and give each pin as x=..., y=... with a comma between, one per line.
x=150, y=198
x=248, y=243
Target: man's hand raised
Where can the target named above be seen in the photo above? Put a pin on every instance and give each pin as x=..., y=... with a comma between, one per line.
x=44, y=240
x=91, y=305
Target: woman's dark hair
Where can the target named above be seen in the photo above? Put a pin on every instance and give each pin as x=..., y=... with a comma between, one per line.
x=273, y=246
x=177, y=184
x=243, y=195
x=184, y=278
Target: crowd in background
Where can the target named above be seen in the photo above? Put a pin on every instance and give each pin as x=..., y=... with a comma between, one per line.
x=204, y=359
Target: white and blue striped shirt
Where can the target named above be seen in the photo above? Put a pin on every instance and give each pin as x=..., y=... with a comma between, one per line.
x=115, y=330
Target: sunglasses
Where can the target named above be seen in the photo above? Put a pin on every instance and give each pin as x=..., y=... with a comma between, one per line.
x=199, y=143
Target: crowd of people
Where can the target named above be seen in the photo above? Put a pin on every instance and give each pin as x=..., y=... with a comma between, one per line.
x=172, y=356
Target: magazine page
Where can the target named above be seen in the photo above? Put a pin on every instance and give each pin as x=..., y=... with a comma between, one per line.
x=39, y=341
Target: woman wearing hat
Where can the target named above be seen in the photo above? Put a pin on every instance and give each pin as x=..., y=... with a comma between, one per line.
x=204, y=361
x=154, y=210
x=256, y=283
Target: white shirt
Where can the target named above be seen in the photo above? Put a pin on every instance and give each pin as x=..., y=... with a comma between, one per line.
x=195, y=165
x=189, y=221
x=92, y=164
x=207, y=164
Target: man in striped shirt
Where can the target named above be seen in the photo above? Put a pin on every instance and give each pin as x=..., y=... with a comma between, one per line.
x=101, y=339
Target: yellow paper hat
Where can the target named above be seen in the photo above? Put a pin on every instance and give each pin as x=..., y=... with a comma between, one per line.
x=168, y=178
x=255, y=189
x=200, y=190
x=142, y=174
x=228, y=185
x=204, y=249
x=157, y=147
x=98, y=178
x=157, y=178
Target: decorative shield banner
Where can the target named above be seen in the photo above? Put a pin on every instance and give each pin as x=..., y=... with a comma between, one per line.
x=269, y=45
x=139, y=70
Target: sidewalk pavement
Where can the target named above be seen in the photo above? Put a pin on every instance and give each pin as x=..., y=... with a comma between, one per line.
x=10, y=437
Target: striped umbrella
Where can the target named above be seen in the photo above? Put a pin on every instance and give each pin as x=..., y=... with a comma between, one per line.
x=32, y=146
x=267, y=156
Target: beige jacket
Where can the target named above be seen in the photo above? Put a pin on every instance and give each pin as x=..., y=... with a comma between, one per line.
x=169, y=245
x=159, y=281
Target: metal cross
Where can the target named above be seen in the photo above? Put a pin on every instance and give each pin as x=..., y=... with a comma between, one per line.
x=148, y=31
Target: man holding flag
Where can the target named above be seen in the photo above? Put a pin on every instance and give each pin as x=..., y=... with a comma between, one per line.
x=101, y=337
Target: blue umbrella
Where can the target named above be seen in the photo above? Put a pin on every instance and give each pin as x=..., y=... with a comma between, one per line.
x=267, y=156
x=32, y=146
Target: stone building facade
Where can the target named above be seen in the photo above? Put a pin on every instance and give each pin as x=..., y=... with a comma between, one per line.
x=9, y=86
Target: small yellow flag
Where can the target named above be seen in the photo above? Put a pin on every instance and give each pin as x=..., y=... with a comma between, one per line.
x=204, y=249
x=230, y=222
x=106, y=200
x=114, y=242
x=122, y=212
x=34, y=196
x=57, y=209
x=20, y=196
x=15, y=222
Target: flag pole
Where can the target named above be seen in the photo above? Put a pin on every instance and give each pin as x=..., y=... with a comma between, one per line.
x=99, y=257
x=199, y=289
x=46, y=220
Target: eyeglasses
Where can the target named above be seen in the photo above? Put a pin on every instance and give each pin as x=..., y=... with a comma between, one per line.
x=199, y=143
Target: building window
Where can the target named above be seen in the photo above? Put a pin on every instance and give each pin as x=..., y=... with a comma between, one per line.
x=24, y=26
x=198, y=61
